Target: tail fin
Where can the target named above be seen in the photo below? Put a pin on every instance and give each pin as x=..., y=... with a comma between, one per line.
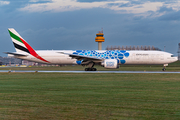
x=19, y=43
x=22, y=46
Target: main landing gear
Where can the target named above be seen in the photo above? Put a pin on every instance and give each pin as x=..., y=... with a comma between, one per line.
x=90, y=67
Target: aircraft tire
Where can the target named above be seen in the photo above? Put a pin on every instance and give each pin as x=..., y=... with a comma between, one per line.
x=164, y=69
x=90, y=69
x=94, y=69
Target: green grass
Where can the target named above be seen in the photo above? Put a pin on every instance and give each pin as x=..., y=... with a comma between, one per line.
x=172, y=67
x=68, y=96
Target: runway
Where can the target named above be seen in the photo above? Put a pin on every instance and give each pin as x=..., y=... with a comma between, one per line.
x=33, y=71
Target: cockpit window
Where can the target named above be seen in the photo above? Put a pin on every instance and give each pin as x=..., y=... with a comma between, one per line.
x=172, y=55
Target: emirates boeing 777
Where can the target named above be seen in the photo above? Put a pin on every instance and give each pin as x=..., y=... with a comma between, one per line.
x=107, y=58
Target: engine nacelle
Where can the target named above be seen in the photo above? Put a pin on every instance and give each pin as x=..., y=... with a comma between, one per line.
x=110, y=63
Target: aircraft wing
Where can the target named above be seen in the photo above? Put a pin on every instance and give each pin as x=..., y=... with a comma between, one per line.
x=84, y=58
x=15, y=54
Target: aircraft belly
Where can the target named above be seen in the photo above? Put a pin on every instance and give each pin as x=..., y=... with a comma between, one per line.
x=31, y=58
x=68, y=61
x=60, y=60
x=145, y=61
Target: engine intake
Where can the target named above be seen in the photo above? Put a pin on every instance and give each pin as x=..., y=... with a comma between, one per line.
x=110, y=63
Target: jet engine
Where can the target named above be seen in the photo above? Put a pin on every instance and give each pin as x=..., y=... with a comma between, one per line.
x=110, y=63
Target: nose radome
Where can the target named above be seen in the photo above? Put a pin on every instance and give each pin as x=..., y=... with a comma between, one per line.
x=174, y=59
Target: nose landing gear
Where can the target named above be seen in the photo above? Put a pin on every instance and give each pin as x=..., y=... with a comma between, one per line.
x=164, y=67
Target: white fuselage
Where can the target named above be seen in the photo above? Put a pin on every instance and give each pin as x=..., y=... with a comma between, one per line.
x=127, y=57
x=107, y=58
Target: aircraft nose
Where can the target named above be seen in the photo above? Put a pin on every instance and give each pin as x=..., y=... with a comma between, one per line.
x=174, y=59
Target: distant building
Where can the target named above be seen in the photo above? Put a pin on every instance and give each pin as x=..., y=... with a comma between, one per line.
x=10, y=60
x=28, y=63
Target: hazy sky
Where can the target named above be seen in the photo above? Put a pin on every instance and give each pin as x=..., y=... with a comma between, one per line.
x=73, y=24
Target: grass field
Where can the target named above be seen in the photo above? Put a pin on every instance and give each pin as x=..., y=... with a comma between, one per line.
x=172, y=67
x=66, y=96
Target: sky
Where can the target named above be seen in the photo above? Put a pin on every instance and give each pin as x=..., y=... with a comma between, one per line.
x=73, y=24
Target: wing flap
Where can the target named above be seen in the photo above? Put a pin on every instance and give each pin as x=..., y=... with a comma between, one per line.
x=84, y=58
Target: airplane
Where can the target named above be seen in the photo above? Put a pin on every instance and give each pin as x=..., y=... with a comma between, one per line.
x=110, y=59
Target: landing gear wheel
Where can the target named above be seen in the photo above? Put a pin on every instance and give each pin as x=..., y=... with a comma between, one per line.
x=90, y=69
x=94, y=69
x=164, y=69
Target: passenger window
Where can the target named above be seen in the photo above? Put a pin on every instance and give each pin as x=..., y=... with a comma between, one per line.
x=172, y=55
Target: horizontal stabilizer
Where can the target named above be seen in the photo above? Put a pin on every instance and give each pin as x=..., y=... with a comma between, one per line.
x=15, y=54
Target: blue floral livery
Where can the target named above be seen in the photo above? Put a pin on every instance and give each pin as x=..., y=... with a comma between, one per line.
x=110, y=54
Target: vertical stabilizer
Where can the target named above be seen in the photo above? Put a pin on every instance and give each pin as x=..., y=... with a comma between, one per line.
x=18, y=41
x=22, y=46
